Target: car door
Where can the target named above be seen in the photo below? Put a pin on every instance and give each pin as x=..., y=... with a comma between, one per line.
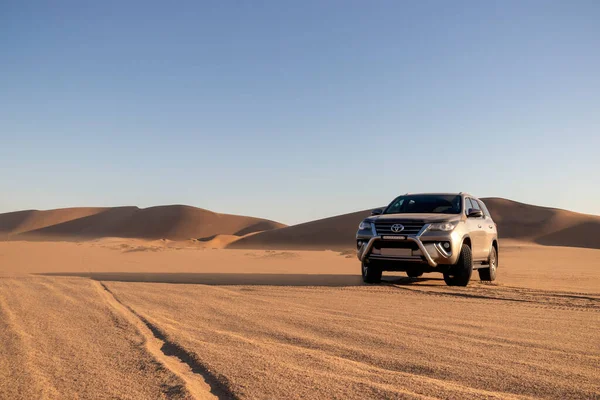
x=489, y=226
x=476, y=231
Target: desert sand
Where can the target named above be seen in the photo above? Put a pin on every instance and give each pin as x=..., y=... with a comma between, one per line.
x=147, y=319
x=184, y=303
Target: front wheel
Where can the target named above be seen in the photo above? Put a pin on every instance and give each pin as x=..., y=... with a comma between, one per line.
x=371, y=272
x=460, y=273
x=489, y=274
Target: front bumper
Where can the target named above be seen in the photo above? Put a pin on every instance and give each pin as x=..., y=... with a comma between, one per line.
x=430, y=251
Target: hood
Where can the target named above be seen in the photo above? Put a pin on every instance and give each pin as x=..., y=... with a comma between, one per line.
x=421, y=217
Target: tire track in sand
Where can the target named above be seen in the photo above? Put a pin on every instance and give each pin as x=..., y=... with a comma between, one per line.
x=200, y=383
x=536, y=298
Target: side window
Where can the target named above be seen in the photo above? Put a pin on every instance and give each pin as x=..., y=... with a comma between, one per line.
x=468, y=205
x=484, y=208
x=476, y=205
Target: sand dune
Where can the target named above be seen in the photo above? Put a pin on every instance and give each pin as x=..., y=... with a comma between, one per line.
x=329, y=233
x=175, y=222
x=515, y=220
x=218, y=241
x=544, y=225
x=30, y=220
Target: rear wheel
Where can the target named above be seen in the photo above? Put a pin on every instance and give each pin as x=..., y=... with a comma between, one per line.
x=460, y=273
x=371, y=272
x=414, y=273
x=489, y=274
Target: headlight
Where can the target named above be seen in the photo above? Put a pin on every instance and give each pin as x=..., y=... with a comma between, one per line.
x=443, y=226
x=364, y=226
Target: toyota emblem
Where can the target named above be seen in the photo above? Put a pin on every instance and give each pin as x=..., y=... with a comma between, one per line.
x=397, y=228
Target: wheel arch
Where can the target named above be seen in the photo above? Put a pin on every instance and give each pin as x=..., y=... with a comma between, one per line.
x=466, y=240
x=495, y=246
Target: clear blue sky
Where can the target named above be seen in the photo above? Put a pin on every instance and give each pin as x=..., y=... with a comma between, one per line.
x=298, y=110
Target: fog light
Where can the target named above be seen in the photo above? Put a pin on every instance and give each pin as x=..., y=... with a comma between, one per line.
x=446, y=245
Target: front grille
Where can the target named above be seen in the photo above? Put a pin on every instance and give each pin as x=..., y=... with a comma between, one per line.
x=411, y=227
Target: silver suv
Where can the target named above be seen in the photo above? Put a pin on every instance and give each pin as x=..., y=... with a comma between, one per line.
x=451, y=233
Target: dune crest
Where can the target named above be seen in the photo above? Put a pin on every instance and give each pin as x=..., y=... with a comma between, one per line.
x=30, y=220
x=523, y=222
x=173, y=222
x=544, y=225
x=519, y=221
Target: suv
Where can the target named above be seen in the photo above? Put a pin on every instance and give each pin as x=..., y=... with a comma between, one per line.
x=448, y=233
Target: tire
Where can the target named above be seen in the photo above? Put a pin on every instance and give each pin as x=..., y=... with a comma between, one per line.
x=371, y=272
x=489, y=274
x=460, y=273
x=414, y=273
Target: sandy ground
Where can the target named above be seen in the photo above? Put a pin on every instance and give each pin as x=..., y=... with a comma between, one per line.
x=290, y=324
x=380, y=342
x=61, y=340
x=521, y=265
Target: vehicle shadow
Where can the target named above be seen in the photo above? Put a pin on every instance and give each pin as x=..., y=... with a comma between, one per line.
x=220, y=278
x=239, y=278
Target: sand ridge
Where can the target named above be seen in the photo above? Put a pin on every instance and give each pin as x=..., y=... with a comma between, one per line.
x=523, y=222
x=31, y=220
x=174, y=222
x=515, y=220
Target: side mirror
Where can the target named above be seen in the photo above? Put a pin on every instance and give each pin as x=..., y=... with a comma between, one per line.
x=473, y=213
x=377, y=211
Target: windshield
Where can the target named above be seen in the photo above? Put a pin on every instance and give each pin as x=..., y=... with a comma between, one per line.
x=425, y=203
